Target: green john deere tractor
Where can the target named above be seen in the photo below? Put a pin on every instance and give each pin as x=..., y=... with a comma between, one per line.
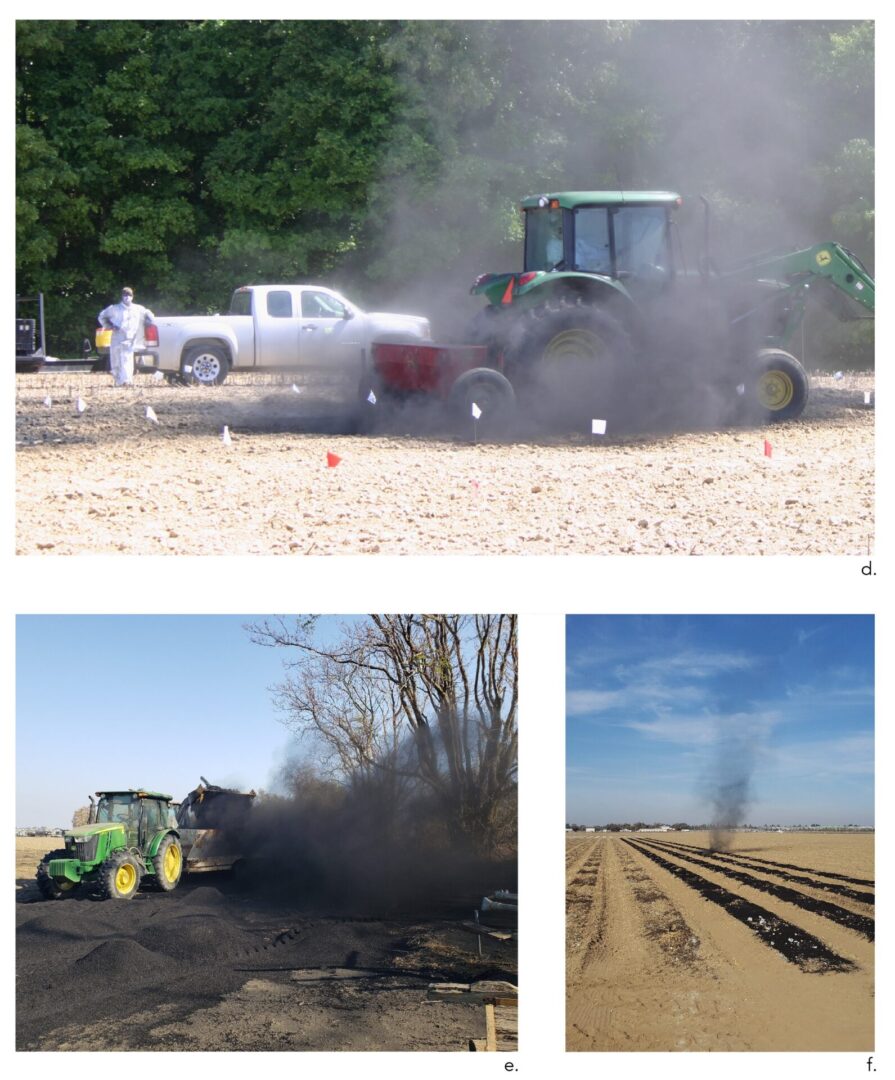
x=605, y=281
x=131, y=835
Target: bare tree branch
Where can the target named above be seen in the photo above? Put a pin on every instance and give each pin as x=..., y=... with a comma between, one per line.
x=431, y=698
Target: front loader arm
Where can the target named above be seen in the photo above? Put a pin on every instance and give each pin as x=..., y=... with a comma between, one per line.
x=824, y=262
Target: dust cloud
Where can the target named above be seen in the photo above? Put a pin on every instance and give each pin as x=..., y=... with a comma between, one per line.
x=377, y=844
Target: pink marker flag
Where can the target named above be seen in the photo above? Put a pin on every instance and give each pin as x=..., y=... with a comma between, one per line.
x=767, y=448
x=332, y=460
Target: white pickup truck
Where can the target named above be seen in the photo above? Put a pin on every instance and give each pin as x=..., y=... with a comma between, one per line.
x=308, y=329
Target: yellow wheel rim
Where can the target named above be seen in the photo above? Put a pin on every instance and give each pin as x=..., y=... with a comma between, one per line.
x=125, y=878
x=171, y=864
x=775, y=390
x=64, y=884
x=574, y=344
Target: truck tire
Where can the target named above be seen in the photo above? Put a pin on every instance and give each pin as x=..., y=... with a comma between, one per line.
x=168, y=864
x=207, y=364
x=492, y=392
x=118, y=878
x=51, y=888
x=776, y=387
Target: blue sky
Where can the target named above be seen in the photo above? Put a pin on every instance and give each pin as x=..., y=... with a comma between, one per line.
x=123, y=701
x=653, y=700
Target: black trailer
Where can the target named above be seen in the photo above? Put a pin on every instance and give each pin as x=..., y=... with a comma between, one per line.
x=31, y=341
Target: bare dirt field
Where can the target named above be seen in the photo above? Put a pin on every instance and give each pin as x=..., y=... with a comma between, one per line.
x=109, y=480
x=765, y=946
x=216, y=966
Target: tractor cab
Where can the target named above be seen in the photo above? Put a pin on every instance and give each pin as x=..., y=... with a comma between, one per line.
x=622, y=235
x=142, y=813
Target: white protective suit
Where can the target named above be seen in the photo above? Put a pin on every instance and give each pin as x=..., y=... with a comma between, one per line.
x=126, y=322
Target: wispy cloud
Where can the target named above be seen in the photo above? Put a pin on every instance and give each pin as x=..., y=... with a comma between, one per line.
x=826, y=693
x=707, y=729
x=678, y=679
x=687, y=664
x=850, y=755
x=592, y=702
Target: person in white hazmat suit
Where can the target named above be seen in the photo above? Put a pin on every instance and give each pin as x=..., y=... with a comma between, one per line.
x=125, y=319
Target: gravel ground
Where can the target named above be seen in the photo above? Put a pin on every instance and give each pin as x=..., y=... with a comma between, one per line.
x=108, y=479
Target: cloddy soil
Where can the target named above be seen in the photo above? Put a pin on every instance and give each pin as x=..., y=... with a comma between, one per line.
x=109, y=480
x=765, y=946
x=215, y=966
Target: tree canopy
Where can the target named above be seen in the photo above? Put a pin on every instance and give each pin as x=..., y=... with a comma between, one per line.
x=388, y=157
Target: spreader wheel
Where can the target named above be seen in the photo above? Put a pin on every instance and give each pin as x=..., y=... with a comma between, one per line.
x=482, y=401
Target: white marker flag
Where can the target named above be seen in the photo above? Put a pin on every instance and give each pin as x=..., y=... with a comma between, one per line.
x=598, y=427
x=158, y=376
x=476, y=411
x=371, y=397
x=150, y=414
x=80, y=404
x=48, y=401
x=225, y=436
x=838, y=375
x=866, y=397
x=296, y=389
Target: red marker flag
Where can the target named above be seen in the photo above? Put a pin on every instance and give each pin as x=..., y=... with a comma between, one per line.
x=767, y=448
x=332, y=460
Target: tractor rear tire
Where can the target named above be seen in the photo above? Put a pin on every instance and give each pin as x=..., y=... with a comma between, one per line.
x=168, y=864
x=776, y=387
x=572, y=332
x=51, y=888
x=492, y=393
x=118, y=878
x=573, y=364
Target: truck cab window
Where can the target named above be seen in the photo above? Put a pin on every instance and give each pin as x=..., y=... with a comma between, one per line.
x=241, y=302
x=279, y=304
x=318, y=305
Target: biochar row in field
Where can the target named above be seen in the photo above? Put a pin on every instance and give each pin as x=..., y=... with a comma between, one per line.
x=799, y=879
x=861, y=924
x=784, y=865
x=793, y=943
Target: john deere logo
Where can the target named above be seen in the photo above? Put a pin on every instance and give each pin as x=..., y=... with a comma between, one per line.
x=824, y=258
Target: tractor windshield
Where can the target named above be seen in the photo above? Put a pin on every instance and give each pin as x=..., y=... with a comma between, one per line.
x=116, y=808
x=543, y=239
